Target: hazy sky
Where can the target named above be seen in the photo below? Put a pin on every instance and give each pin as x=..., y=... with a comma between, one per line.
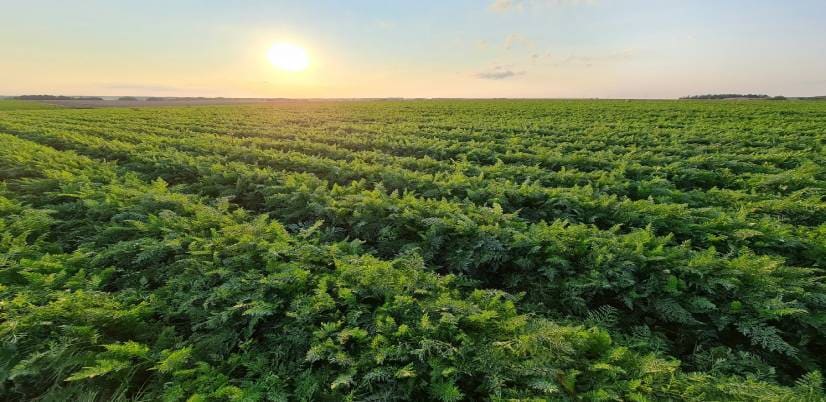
x=502, y=48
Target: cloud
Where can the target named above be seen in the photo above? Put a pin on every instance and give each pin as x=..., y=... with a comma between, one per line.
x=498, y=73
x=588, y=61
x=138, y=87
x=516, y=39
x=384, y=24
x=503, y=6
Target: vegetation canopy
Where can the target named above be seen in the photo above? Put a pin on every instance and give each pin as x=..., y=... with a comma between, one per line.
x=414, y=250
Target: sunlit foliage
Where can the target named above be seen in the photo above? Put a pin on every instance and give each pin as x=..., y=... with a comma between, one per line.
x=442, y=250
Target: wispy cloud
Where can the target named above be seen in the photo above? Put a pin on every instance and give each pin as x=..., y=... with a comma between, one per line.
x=590, y=60
x=384, y=24
x=498, y=73
x=516, y=39
x=138, y=87
x=503, y=6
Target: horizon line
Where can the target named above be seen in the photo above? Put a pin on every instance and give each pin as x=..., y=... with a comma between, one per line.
x=276, y=98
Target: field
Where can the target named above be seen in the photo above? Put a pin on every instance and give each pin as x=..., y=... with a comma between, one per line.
x=11, y=104
x=425, y=250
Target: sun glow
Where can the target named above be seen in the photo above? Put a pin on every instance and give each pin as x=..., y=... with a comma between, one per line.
x=289, y=57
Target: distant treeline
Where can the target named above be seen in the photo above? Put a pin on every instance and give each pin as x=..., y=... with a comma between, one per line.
x=56, y=97
x=122, y=98
x=734, y=96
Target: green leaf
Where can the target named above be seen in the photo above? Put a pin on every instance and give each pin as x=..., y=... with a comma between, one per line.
x=101, y=367
x=174, y=360
x=446, y=392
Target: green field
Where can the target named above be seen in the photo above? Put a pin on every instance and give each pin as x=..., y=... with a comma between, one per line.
x=425, y=250
x=13, y=104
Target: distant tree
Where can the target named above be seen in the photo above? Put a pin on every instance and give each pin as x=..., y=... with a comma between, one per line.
x=43, y=97
x=127, y=98
x=56, y=97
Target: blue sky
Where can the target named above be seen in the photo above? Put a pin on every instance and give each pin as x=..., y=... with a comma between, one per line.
x=492, y=48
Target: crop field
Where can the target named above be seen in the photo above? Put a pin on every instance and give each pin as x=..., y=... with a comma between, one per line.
x=414, y=250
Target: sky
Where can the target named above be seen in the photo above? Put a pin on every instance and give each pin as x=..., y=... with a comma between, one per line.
x=457, y=48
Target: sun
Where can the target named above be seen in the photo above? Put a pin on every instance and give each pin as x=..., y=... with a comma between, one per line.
x=289, y=57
